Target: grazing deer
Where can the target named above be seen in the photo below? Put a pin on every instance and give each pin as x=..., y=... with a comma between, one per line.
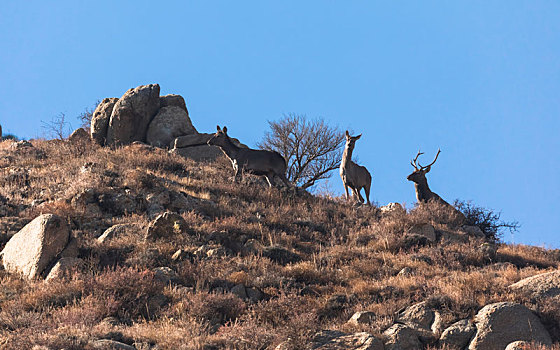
x=353, y=175
x=257, y=162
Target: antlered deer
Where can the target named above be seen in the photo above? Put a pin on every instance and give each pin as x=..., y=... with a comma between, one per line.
x=353, y=175
x=258, y=162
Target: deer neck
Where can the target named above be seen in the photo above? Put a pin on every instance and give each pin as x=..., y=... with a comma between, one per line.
x=423, y=192
x=230, y=149
x=346, y=157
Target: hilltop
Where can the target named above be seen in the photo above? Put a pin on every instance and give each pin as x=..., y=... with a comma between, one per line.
x=241, y=265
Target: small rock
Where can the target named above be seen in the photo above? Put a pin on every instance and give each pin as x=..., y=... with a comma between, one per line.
x=489, y=251
x=165, y=225
x=518, y=345
x=79, y=135
x=107, y=344
x=473, y=231
x=341, y=341
x=180, y=255
x=362, y=317
x=113, y=232
x=458, y=335
x=424, y=230
x=419, y=314
x=392, y=208
x=406, y=272
x=63, y=268
x=402, y=337
x=165, y=274
x=240, y=291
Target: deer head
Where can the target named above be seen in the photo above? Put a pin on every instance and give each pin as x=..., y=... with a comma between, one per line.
x=351, y=140
x=220, y=138
x=419, y=174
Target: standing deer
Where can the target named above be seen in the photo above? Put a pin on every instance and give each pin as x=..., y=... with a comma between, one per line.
x=257, y=162
x=353, y=175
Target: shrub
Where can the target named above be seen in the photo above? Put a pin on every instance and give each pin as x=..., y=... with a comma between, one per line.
x=486, y=219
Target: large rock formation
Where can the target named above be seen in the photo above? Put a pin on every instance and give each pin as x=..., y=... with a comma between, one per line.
x=546, y=285
x=35, y=247
x=100, y=119
x=132, y=114
x=173, y=100
x=170, y=123
x=502, y=323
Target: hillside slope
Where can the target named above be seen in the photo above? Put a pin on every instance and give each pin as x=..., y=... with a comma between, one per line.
x=251, y=268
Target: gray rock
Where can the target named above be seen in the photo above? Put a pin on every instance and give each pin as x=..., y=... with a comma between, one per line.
x=546, y=285
x=63, y=268
x=165, y=225
x=424, y=230
x=418, y=314
x=518, y=345
x=199, y=153
x=458, y=335
x=35, y=246
x=132, y=114
x=502, y=323
x=402, y=337
x=240, y=291
x=361, y=318
x=392, y=208
x=334, y=340
x=107, y=344
x=173, y=100
x=191, y=140
x=100, y=120
x=406, y=272
x=113, y=232
x=165, y=274
x=79, y=135
x=168, y=124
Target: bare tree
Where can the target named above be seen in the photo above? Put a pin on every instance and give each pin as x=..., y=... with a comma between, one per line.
x=57, y=127
x=87, y=114
x=311, y=148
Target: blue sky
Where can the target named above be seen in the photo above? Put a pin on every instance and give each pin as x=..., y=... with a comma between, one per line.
x=479, y=79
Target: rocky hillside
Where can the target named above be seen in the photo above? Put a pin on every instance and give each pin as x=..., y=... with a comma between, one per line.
x=139, y=248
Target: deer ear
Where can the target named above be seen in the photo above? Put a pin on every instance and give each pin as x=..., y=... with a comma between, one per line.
x=347, y=134
x=357, y=137
x=225, y=129
x=218, y=128
x=427, y=170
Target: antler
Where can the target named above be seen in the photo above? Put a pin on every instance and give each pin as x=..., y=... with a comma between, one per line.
x=413, y=162
x=432, y=163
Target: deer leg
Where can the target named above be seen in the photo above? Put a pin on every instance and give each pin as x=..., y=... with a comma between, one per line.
x=270, y=179
x=346, y=189
x=357, y=196
x=366, y=190
x=284, y=179
x=237, y=172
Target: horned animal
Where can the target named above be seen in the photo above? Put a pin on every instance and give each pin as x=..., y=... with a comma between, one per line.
x=258, y=162
x=353, y=175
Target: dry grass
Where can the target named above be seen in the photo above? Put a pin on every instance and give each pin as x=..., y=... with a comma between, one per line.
x=348, y=258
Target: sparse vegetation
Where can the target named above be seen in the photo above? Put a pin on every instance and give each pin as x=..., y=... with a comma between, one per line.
x=315, y=260
x=311, y=147
x=487, y=220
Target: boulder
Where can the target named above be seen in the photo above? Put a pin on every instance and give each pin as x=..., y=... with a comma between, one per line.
x=100, y=120
x=165, y=225
x=108, y=344
x=418, y=314
x=168, y=124
x=392, y=208
x=458, y=335
x=113, y=231
x=424, y=230
x=30, y=251
x=334, y=340
x=191, y=140
x=546, y=285
x=132, y=114
x=518, y=345
x=362, y=317
x=63, y=268
x=199, y=153
x=402, y=337
x=499, y=324
x=79, y=135
x=173, y=100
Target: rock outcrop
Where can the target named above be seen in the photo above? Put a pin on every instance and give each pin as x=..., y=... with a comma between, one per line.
x=546, y=285
x=165, y=225
x=100, y=120
x=36, y=246
x=169, y=123
x=500, y=324
x=334, y=340
x=173, y=100
x=132, y=114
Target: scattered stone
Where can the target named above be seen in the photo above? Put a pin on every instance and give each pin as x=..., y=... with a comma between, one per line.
x=180, y=255
x=488, y=250
x=79, y=135
x=424, y=230
x=173, y=100
x=165, y=274
x=165, y=225
x=107, y=344
x=546, y=285
x=35, y=246
x=518, y=345
x=333, y=340
x=113, y=232
x=502, y=323
x=402, y=337
x=21, y=144
x=458, y=335
x=392, y=208
x=132, y=114
x=100, y=120
x=419, y=314
x=362, y=317
x=168, y=124
x=64, y=268
x=406, y=272
x=473, y=231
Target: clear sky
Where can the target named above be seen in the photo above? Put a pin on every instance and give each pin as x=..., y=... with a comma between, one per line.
x=480, y=79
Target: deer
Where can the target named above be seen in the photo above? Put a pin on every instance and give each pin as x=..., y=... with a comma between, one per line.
x=257, y=162
x=353, y=175
x=423, y=192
